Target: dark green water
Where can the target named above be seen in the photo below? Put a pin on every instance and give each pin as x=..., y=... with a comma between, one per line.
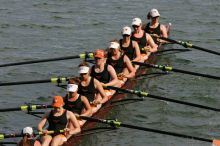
x=45, y=29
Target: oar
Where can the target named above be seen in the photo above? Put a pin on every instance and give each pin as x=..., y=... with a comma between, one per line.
x=116, y=123
x=4, y=135
x=82, y=56
x=170, y=68
x=55, y=80
x=26, y=108
x=188, y=45
x=145, y=94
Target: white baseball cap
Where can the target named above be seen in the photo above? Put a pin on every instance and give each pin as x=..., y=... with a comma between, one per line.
x=136, y=21
x=154, y=13
x=71, y=88
x=126, y=30
x=83, y=69
x=27, y=130
x=114, y=45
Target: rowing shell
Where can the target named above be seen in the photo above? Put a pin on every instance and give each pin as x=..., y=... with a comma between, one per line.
x=102, y=111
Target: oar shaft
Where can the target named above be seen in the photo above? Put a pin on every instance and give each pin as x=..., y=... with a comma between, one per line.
x=195, y=74
x=145, y=94
x=52, y=80
x=183, y=102
x=39, y=61
x=116, y=123
x=26, y=108
x=25, y=82
x=164, y=132
x=189, y=45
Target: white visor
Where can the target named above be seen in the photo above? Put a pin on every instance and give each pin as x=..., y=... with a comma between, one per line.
x=27, y=130
x=83, y=69
x=154, y=13
x=114, y=45
x=136, y=21
x=71, y=88
x=126, y=30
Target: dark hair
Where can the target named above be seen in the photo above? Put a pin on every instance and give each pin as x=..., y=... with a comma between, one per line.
x=75, y=80
x=148, y=15
x=83, y=64
x=25, y=141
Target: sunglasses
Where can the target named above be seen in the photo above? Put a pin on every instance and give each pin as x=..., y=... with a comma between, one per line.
x=96, y=58
x=126, y=35
x=135, y=26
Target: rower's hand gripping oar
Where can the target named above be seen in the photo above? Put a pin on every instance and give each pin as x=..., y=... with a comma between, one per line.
x=82, y=56
x=26, y=108
x=187, y=45
x=145, y=94
x=116, y=123
x=3, y=135
x=169, y=68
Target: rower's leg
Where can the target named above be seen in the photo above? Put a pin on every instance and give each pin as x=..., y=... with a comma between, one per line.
x=46, y=140
x=58, y=140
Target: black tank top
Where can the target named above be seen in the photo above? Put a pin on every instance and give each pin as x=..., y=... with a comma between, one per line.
x=57, y=123
x=142, y=42
x=150, y=30
x=103, y=76
x=88, y=91
x=118, y=65
x=129, y=51
x=74, y=106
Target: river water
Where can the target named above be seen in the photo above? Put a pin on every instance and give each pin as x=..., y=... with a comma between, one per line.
x=46, y=29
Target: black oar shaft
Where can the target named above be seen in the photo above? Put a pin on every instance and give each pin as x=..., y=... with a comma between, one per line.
x=189, y=45
x=25, y=82
x=169, y=68
x=39, y=61
x=116, y=123
x=145, y=94
x=164, y=132
x=183, y=102
x=52, y=80
x=195, y=74
x=26, y=108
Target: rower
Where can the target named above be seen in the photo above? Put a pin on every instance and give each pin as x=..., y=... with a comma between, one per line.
x=102, y=71
x=28, y=138
x=144, y=40
x=128, y=46
x=154, y=27
x=75, y=102
x=89, y=86
x=58, y=119
x=120, y=62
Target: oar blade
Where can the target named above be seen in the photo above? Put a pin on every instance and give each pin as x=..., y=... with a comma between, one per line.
x=216, y=142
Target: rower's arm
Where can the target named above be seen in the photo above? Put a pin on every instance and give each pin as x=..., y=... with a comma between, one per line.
x=151, y=42
x=163, y=30
x=130, y=67
x=87, y=107
x=114, y=78
x=42, y=123
x=99, y=87
x=137, y=51
x=75, y=123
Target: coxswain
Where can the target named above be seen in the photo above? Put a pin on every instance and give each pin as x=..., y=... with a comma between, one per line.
x=90, y=87
x=58, y=119
x=154, y=27
x=28, y=138
x=75, y=102
x=128, y=46
x=120, y=62
x=144, y=40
